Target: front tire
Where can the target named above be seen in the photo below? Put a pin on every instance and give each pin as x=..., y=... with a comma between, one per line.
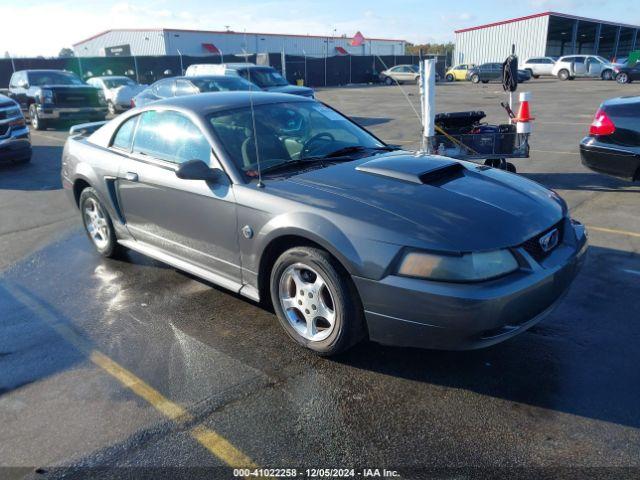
x=98, y=225
x=315, y=300
x=36, y=122
x=449, y=77
x=563, y=74
x=607, y=75
x=475, y=78
x=388, y=81
x=622, y=78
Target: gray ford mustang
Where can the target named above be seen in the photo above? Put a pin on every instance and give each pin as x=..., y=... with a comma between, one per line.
x=346, y=236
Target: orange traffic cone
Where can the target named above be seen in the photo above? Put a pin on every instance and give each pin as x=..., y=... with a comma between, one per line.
x=524, y=118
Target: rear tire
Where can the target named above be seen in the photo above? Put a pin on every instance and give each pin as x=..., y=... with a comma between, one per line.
x=98, y=225
x=607, y=75
x=316, y=302
x=388, y=81
x=449, y=77
x=563, y=74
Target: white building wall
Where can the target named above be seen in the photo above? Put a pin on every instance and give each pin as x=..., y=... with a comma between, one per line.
x=142, y=42
x=493, y=44
x=168, y=42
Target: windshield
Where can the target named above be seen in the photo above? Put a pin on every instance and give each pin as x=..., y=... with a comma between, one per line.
x=287, y=132
x=602, y=59
x=222, y=84
x=264, y=77
x=119, y=82
x=39, y=79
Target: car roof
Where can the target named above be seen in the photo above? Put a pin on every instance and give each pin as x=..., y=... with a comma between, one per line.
x=57, y=70
x=206, y=103
x=110, y=77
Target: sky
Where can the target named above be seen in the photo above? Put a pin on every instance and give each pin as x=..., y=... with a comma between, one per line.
x=43, y=27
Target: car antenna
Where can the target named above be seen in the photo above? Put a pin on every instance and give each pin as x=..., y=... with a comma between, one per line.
x=253, y=121
x=406, y=95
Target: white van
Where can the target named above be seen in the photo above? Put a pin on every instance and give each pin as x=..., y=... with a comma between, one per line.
x=265, y=77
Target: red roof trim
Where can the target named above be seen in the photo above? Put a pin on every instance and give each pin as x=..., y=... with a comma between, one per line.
x=544, y=14
x=225, y=32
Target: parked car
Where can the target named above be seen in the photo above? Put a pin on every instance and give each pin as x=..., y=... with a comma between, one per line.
x=458, y=72
x=117, y=90
x=627, y=74
x=265, y=77
x=283, y=198
x=488, y=72
x=400, y=74
x=613, y=144
x=178, y=86
x=538, y=66
x=15, y=145
x=50, y=96
x=589, y=66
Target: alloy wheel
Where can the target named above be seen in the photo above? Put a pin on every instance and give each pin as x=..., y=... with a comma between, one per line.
x=96, y=223
x=307, y=302
x=622, y=78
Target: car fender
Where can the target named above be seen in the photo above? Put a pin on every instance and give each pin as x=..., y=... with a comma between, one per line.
x=315, y=228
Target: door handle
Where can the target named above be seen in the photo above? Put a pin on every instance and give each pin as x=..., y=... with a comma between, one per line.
x=131, y=176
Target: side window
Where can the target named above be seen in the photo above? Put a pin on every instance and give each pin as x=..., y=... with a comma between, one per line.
x=164, y=89
x=124, y=135
x=171, y=137
x=184, y=87
x=579, y=59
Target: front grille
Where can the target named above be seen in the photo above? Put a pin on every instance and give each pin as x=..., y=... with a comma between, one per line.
x=3, y=130
x=75, y=99
x=533, y=247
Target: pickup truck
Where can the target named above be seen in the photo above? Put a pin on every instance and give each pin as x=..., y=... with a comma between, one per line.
x=49, y=96
x=15, y=144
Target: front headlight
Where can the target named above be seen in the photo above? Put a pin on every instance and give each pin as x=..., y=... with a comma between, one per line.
x=468, y=267
x=46, y=96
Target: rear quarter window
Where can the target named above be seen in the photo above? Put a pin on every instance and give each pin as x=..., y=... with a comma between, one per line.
x=124, y=136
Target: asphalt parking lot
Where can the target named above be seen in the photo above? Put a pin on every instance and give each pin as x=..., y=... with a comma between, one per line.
x=132, y=363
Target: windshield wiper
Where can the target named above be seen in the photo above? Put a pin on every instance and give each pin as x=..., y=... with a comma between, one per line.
x=289, y=164
x=342, y=152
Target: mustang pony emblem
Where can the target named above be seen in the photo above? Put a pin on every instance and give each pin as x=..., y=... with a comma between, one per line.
x=549, y=241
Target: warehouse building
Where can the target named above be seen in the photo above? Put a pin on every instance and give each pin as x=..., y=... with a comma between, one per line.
x=545, y=34
x=132, y=42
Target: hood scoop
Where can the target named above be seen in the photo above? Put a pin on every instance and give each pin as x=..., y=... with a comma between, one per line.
x=423, y=169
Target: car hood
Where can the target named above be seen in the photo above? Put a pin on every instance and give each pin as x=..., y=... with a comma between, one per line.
x=68, y=87
x=292, y=89
x=6, y=101
x=431, y=201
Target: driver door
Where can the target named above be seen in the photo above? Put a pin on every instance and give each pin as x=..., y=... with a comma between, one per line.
x=192, y=220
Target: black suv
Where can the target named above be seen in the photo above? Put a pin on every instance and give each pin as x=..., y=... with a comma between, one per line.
x=56, y=95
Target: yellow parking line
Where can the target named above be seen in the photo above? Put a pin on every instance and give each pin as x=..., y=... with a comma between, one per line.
x=611, y=230
x=209, y=439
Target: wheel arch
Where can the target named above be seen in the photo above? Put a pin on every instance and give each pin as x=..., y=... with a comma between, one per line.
x=280, y=240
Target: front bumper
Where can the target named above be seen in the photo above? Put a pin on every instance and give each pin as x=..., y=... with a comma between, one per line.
x=609, y=159
x=15, y=145
x=46, y=112
x=412, y=312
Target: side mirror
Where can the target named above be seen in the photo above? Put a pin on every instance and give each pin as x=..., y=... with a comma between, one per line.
x=198, y=170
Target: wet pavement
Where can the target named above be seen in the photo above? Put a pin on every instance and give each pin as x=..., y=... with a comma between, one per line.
x=564, y=394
